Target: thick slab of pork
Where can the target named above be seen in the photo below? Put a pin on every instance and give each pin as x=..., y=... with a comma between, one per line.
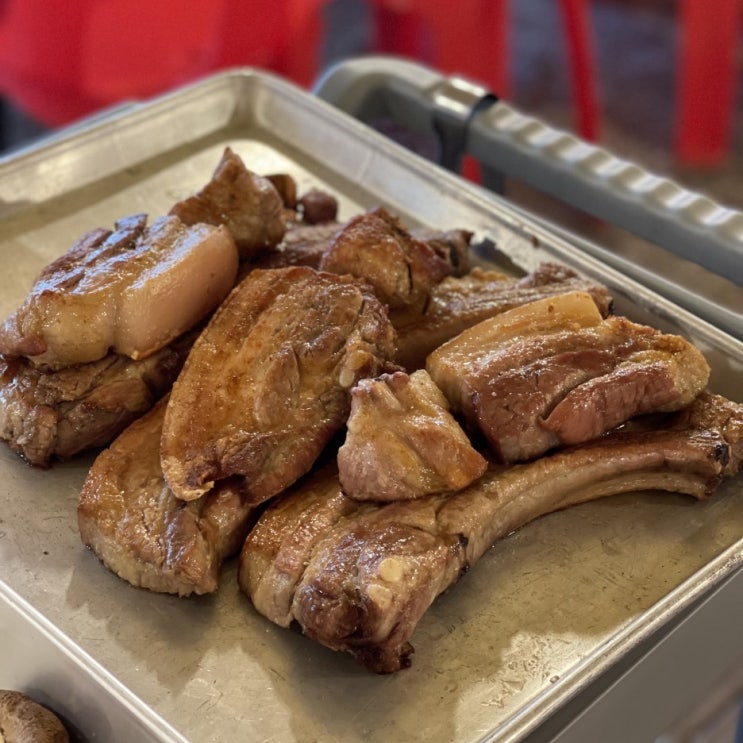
x=130, y=291
x=48, y=415
x=402, y=442
x=376, y=247
x=362, y=585
x=129, y=517
x=267, y=383
x=456, y=304
x=554, y=372
x=247, y=204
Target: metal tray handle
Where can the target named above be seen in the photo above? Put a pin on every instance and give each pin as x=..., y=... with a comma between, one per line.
x=470, y=120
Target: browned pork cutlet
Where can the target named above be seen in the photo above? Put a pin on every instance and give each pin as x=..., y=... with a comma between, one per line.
x=57, y=414
x=247, y=204
x=402, y=442
x=456, y=304
x=267, y=383
x=131, y=520
x=131, y=291
x=376, y=247
x=363, y=585
x=554, y=372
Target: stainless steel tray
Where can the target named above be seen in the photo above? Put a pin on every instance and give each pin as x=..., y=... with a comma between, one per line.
x=544, y=613
x=39, y=660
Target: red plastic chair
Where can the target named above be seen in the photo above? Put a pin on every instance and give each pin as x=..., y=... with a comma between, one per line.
x=709, y=37
x=63, y=59
x=471, y=39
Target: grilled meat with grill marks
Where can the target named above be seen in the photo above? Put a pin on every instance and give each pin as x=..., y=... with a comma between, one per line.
x=267, y=383
x=362, y=585
x=403, y=443
x=555, y=372
x=131, y=291
x=131, y=520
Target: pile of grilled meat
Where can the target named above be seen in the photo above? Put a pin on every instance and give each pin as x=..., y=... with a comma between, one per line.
x=347, y=406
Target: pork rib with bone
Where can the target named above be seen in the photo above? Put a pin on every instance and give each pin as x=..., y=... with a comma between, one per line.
x=358, y=576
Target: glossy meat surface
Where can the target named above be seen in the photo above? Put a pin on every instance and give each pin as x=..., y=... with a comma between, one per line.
x=368, y=580
x=131, y=520
x=131, y=291
x=267, y=383
x=377, y=248
x=247, y=204
x=456, y=304
x=555, y=372
x=52, y=415
x=402, y=442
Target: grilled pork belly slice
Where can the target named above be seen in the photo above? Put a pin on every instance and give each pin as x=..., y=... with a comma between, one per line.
x=456, y=304
x=267, y=383
x=554, y=372
x=130, y=291
x=47, y=415
x=403, y=442
x=247, y=204
x=131, y=520
x=375, y=247
x=363, y=585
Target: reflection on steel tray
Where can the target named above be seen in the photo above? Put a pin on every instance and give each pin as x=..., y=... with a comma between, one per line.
x=544, y=612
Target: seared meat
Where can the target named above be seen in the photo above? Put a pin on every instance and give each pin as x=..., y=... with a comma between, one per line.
x=48, y=415
x=280, y=543
x=374, y=246
x=710, y=412
x=363, y=585
x=286, y=187
x=452, y=245
x=247, y=204
x=132, y=521
x=403, y=443
x=318, y=207
x=554, y=372
x=131, y=291
x=266, y=384
x=459, y=303
x=303, y=245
